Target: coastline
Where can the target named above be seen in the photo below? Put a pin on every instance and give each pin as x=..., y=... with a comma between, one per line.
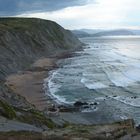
x=29, y=83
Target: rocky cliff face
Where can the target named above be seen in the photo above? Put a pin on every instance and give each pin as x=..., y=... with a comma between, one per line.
x=23, y=40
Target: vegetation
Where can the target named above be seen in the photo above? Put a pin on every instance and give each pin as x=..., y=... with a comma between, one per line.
x=21, y=135
x=36, y=117
x=7, y=110
x=31, y=116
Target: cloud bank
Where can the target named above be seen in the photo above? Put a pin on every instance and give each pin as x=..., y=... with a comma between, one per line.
x=13, y=7
x=76, y=14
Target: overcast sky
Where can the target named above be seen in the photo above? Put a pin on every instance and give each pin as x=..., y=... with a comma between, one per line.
x=76, y=14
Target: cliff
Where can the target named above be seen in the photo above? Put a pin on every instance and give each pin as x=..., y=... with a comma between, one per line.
x=23, y=40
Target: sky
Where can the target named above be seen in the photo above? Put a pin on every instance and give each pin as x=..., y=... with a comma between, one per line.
x=78, y=14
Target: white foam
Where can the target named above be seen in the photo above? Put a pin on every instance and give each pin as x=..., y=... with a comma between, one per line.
x=135, y=64
x=119, y=79
x=100, y=98
x=124, y=117
x=92, y=85
x=133, y=74
x=128, y=100
x=53, y=88
x=132, y=51
x=89, y=110
x=124, y=78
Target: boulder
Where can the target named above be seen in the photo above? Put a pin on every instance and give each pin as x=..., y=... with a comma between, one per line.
x=79, y=104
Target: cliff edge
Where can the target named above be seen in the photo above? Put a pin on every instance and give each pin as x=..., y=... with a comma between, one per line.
x=23, y=40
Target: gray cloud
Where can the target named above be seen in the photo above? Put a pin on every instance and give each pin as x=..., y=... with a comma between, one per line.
x=13, y=7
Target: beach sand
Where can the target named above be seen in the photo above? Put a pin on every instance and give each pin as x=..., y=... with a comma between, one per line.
x=29, y=83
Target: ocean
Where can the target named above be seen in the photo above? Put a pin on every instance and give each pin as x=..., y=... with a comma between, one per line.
x=106, y=71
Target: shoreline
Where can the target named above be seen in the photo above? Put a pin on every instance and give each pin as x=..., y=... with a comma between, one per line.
x=30, y=83
x=79, y=121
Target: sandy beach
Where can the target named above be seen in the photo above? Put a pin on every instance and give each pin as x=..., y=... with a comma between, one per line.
x=29, y=83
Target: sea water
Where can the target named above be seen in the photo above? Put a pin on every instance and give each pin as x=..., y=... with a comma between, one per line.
x=106, y=71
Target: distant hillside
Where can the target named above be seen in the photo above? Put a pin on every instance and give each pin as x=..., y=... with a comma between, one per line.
x=99, y=32
x=136, y=32
x=114, y=33
x=80, y=33
x=92, y=31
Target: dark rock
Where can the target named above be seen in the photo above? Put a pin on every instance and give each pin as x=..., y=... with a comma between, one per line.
x=115, y=96
x=79, y=104
x=133, y=97
x=138, y=128
x=52, y=109
x=63, y=108
x=95, y=103
x=86, y=106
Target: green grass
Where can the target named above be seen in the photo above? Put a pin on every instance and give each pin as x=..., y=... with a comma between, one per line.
x=21, y=135
x=38, y=118
x=7, y=110
x=17, y=23
x=32, y=116
x=28, y=114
